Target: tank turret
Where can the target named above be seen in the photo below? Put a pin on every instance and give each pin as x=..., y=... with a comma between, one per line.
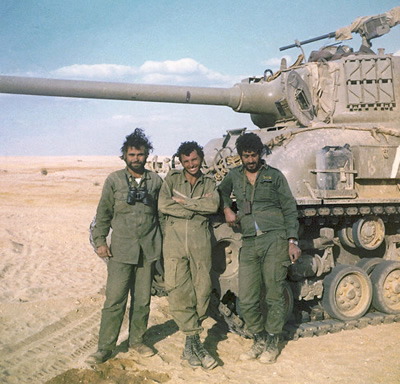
x=331, y=125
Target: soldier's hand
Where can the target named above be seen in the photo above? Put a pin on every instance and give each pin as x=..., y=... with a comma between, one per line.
x=294, y=252
x=178, y=199
x=230, y=217
x=103, y=251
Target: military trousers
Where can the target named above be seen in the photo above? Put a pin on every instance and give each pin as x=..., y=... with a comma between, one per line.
x=124, y=279
x=187, y=278
x=263, y=263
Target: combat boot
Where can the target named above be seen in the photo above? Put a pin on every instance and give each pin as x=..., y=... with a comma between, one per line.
x=257, y=349
x=271, y=350
x=206, y=360
x=142, y=350
x=188, y=352
x=99, y=357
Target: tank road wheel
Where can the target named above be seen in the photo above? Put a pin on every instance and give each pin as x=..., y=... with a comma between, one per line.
x=369, y=233
x=289, y=300
x=368, y=265
x=347, y=292
x=386, y=286
x=345, y=235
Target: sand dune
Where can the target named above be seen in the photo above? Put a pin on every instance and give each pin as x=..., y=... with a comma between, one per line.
x=52, y=291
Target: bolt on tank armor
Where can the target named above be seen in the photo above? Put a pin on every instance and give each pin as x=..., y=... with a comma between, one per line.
x=331, y=125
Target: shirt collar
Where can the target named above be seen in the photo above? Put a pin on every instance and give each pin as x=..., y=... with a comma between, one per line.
x=199, y=180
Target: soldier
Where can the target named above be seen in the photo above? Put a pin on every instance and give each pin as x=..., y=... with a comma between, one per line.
x=128, y=205
x=268, y=221
x=186, y=198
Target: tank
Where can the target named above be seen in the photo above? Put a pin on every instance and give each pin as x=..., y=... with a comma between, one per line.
x=331, y=125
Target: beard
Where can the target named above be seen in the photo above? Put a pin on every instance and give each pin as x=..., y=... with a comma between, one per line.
x=252, y=167
x=136, y=167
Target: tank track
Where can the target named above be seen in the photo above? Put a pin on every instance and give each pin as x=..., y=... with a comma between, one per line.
x=295, y=330
x=335, y=212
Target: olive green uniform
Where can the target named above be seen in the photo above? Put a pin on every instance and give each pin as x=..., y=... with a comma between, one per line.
x=135, y=244
x=264, y=255
x=187, y=247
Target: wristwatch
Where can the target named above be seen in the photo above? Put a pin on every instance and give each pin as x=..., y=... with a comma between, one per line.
x=295, y=242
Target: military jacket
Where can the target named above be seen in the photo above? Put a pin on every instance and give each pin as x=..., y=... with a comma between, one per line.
x=273, y=207
x=134, y=227
x=200, y=200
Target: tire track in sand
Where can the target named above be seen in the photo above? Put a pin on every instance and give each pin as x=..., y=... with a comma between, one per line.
x=47, y=353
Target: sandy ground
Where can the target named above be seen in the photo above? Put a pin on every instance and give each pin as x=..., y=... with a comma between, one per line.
x=52, y=291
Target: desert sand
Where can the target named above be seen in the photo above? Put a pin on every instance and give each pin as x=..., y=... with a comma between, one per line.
x=52, y=291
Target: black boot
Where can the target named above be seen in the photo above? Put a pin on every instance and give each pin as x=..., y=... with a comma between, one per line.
x=257, y=349
x=206, y=360
x=188, y=352
x=271, y=350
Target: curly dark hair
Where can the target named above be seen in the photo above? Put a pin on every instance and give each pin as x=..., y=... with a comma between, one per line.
x=187, y=147
x=136, y=139
x=249, y=142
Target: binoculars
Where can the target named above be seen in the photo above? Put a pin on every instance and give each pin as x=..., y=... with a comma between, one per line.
x=138, y=195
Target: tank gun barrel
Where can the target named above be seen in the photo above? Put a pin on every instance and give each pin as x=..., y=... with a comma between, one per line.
x=119, y=91
x=242, y=97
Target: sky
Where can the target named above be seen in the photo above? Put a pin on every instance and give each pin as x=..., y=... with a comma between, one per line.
x=207, y=43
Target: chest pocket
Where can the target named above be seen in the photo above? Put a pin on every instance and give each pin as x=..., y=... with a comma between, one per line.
x=120, y=204
x=265, y=190
x=151, y=207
